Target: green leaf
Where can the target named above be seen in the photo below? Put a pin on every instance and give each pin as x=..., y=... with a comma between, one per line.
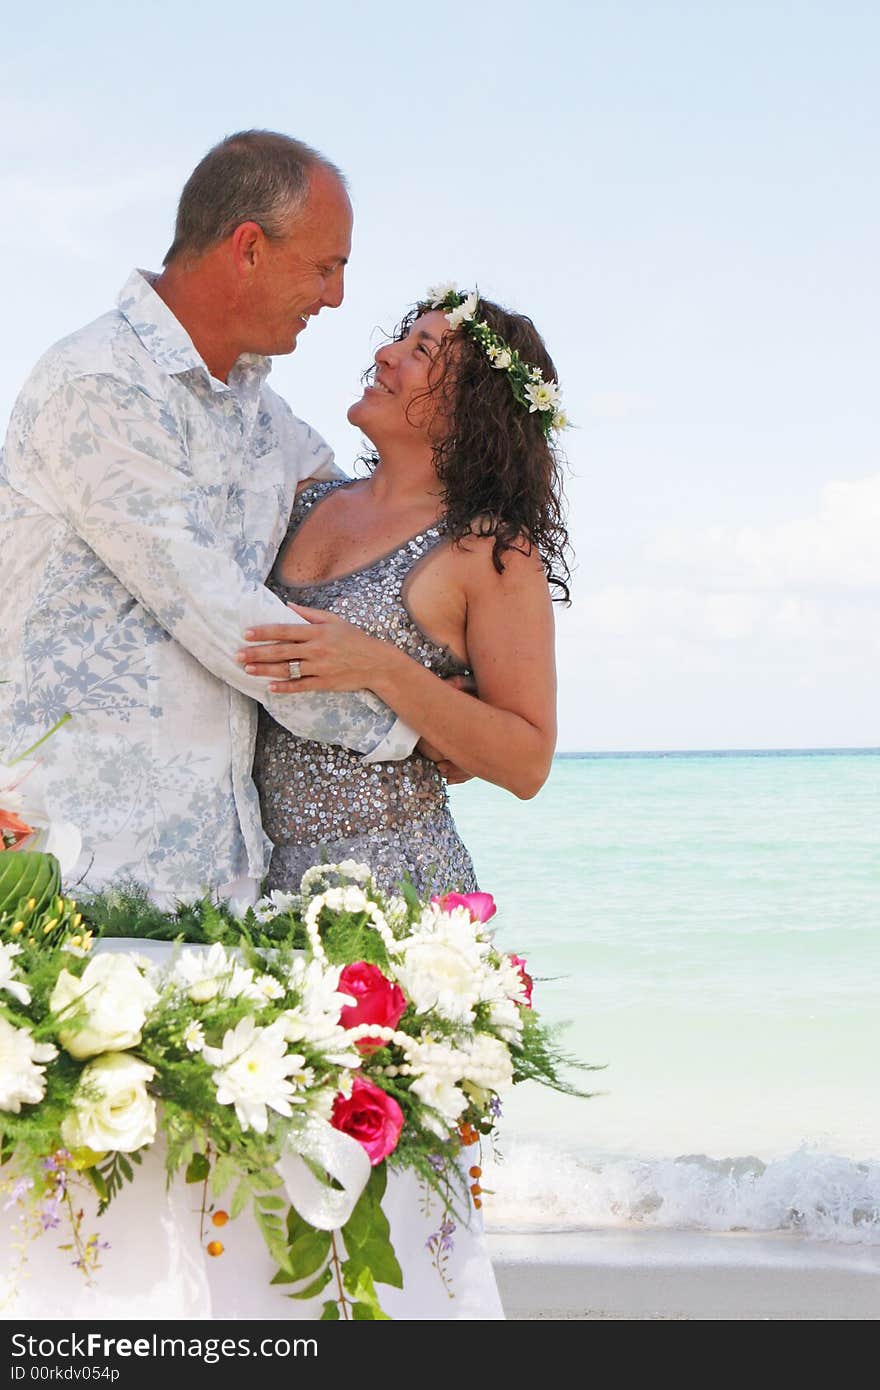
x=364, y=1296
x=198, y=1168
x=25, y=875
x=307, y=1254
x=240, y=1198
x=222, y=1173
x=331, y=1312
x=270, y=1203
x=378, y=1256
x=98, y=1183
x=378, y=1181
x=274, y=1235
x=316, y=1286
x=357, y=1228
x=367, y=1235
x=296, y=1226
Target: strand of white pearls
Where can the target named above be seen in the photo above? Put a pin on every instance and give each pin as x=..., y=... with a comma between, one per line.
x=344, y=900
x=375, y=1032
x=349, y=868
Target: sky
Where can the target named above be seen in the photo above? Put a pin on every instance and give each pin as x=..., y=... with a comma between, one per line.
x=683, y=197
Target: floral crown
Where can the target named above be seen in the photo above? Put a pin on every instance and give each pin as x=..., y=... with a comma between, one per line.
x=527, y=383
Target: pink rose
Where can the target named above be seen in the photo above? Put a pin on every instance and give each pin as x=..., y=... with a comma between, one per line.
x=371, y=1117
x=481, y=906
x=520, y=964
x=378, y=1001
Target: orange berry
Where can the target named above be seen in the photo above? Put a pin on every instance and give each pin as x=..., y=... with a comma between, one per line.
x=476, y=1189
x=475, y=1172
x=215, y=1247
x=220, y=1218
x=477, y=1203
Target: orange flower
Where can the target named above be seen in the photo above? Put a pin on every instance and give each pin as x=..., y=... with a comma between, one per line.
x=14, y=832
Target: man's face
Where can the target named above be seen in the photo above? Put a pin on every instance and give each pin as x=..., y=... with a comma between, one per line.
x=302, y=272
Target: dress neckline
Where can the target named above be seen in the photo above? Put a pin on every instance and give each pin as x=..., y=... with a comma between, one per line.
x=333, y=486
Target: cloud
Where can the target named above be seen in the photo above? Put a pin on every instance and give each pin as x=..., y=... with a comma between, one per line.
x=835, y=549
x=740, y=603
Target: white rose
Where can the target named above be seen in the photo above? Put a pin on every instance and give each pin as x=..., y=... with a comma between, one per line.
x=111, y=1107
x=112, y=996
x=502, y=359
x=21, y=1078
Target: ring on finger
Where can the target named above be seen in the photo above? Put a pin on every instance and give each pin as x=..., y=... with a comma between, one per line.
x=295, y=669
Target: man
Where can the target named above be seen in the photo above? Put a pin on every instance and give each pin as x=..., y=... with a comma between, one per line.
x=146, y=484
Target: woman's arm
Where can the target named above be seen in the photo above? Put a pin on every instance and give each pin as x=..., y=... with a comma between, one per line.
x=507, y=736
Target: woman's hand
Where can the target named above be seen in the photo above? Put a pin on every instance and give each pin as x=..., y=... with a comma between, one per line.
x=333, y=654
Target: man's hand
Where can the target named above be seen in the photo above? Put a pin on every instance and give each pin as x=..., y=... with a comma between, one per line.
x=452, y=774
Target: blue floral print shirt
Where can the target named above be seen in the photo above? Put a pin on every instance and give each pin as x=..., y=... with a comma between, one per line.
x=142, y=503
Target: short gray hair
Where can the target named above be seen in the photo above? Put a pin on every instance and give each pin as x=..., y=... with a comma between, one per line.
x=253, y=176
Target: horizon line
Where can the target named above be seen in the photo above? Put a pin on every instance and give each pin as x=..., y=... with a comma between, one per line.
x=715, y=752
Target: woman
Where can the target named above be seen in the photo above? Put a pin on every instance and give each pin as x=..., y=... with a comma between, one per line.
x=438, y=565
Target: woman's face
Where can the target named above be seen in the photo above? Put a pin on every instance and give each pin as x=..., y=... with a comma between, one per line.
x=395, y=406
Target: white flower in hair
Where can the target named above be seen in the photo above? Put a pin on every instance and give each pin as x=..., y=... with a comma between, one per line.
x=542, y=395
x=437, y=293
x=560, y=420
x=501, y=359
x=465, y=311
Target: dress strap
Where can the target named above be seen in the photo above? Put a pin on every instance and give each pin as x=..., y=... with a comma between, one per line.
x=306, y=498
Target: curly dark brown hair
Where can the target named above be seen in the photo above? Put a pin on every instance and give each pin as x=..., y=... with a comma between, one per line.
x=499, y=473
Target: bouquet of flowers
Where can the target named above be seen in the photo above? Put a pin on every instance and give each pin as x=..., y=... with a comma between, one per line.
x=288, y=1053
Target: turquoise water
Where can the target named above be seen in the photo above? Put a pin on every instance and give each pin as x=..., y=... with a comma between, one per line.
x=710, y=927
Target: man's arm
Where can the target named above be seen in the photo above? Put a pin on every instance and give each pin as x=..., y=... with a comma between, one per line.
x=111, y=461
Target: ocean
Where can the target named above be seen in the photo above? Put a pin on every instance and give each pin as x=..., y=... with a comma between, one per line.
x=707, y=927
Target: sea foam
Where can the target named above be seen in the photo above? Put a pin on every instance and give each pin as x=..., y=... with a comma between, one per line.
x=820, y=1195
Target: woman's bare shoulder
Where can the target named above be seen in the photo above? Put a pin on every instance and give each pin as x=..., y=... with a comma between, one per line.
x=476, y=551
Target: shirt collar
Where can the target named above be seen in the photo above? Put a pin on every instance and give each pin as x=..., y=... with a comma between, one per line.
x=166, y=339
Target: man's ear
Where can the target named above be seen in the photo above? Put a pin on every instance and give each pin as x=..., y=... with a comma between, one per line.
x=246, y=244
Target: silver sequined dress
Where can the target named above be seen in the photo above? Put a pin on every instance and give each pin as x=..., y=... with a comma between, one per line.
x=320, y=802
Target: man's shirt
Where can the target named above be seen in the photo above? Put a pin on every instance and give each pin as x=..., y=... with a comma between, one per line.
x=142, y=503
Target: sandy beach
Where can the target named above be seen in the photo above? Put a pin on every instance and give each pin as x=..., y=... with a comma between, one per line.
x=645, y=1275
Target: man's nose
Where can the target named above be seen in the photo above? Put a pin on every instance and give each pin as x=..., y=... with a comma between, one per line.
x=334, y=289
